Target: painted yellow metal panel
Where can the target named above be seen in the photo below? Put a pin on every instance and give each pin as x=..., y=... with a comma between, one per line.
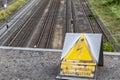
x=82, y=71
x=79, y=60
x=76, y=62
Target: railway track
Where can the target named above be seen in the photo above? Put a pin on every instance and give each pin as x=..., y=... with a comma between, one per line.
x=75, y=27
x=23, y=34
x=68, y=17
x=84, y=21
x=46, y=33
x=97, y=26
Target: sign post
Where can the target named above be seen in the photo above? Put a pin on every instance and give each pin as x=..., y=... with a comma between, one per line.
x=4, y=5
x=81, y=55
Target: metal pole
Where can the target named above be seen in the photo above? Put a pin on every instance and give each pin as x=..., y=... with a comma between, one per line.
x=4, y=5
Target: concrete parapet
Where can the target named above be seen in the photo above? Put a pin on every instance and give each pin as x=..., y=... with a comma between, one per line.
x=42, y=64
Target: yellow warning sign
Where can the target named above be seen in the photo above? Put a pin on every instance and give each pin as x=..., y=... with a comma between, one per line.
x=79, y=60
x=80, y=51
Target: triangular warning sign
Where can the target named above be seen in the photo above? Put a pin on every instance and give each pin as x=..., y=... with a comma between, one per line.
x=80, y=51
x=79, y=60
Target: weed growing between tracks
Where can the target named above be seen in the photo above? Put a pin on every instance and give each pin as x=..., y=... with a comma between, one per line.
x=91, y=16
x=11, y=9
x=109, y=12
x=107, y=46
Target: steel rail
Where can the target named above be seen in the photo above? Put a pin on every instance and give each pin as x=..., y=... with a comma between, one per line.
x=45, y=24
x=86, y=18
x=74, y=18
x=99, y=29
x=26, y=29
x=21, y=29
x=67, y=16
x=95, y=27
x=33, y=23
x=106, y=34
x=53, y=24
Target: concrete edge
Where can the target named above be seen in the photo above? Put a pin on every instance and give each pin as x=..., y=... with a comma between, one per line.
x=52, y=50
x=30, y=49
x=112, y=53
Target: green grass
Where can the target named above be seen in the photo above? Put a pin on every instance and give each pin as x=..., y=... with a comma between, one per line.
x=108, y=47
x=11, y=9
x=109, y=13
